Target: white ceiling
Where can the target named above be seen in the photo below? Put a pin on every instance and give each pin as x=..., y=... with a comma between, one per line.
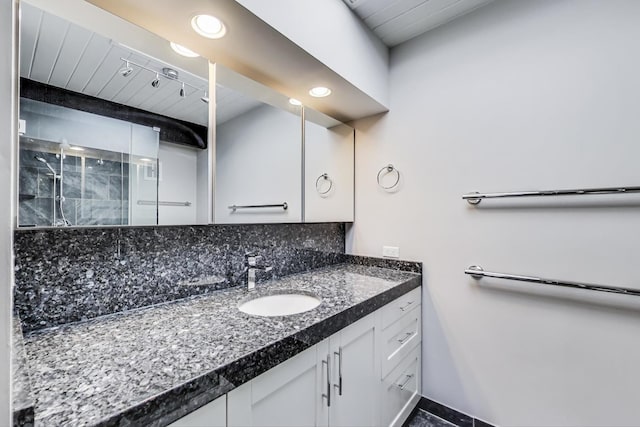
x=251, y=47
x=63, y=54
x=396, y=21
x=50, y=59
x=230, y=103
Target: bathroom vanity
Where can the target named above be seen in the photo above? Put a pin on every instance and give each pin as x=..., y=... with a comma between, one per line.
x=201, y=361
x=141, y=325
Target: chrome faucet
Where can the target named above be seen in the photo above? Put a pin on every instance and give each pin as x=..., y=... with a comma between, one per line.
x=251, y=266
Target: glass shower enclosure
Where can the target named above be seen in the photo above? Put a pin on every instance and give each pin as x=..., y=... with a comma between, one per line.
x=82, y=169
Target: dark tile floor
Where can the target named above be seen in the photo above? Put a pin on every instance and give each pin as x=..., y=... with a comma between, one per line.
x=424, y=419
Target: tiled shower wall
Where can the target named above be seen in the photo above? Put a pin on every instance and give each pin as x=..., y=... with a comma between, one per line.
x=66, y=275
x=96, y=191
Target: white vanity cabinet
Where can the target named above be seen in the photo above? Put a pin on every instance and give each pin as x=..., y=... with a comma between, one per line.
x=354, y=364
x=332, y=383
x=213, y=414
x=399, y=345
x=283, y=396
x=367, y=374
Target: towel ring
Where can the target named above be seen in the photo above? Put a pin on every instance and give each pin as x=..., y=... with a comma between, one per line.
x=389, y=169
x=326, y=177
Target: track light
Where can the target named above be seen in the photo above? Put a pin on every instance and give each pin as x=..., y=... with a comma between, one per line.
x=170, y=73
x=126, y=70
x=167, y=73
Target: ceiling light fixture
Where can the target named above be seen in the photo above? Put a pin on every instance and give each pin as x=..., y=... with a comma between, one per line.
x=295, y=102
x=170, y=74
x=208, y=26
x=126, y=70
x=181, y=50
x=76, y=148
x=320, y=92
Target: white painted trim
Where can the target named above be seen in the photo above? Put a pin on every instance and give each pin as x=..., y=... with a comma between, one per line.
x=406, y=411
x=8, y=124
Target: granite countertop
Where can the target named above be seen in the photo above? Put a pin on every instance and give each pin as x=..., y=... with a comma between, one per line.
x=23, y=400
x=151, y=366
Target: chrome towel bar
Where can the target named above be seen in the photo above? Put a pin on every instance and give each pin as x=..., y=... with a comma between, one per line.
x=284, y=206
x=161, y=203
x=475, y=198
x=478, y=272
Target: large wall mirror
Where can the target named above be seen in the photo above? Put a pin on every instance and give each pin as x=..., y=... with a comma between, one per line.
x=258, y=153
x=329, y=169
x=113, y=122
x=277, y=161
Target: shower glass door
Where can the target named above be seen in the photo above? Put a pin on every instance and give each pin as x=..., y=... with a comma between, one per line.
x=82, y=169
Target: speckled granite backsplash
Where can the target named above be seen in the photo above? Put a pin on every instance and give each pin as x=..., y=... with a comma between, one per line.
x=67, y=275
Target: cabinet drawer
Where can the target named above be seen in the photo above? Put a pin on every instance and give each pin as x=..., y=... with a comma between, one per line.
x=400, y=387
x=399, y=307
x=399, y=339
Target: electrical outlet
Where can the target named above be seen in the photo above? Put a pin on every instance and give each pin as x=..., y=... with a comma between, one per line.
x=391, y=252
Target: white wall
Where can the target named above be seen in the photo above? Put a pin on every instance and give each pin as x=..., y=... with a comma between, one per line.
x=179, y=166
x=7, y=214
x=333, y=34
x=258, y=161
x=516, y=96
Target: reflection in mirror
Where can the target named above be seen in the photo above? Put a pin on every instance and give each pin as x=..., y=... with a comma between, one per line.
x=109, y=135
x=329, y=169
x=258, y=153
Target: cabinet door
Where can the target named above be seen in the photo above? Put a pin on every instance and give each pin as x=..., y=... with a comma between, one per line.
x=212, y=414
x=288, y=395
x=355, y=382
x=329, y=170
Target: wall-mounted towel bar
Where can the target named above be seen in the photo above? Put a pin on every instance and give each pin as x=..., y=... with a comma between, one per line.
x=161, y=203
x=283, y=206
x=477, y=272
x=475, y=198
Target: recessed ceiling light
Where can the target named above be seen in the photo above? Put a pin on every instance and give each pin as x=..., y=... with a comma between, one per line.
x=179, y=49
x=208, y=26
x=144, y=159
x=294, y=101
x=320, y=92
x=76, y=148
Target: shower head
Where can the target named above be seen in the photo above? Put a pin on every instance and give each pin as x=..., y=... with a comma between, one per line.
x=42, y=160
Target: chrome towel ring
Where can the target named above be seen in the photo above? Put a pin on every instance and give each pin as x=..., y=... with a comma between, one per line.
x=387, y=170
x=324, y=176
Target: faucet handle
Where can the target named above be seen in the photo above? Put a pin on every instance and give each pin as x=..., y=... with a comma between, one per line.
x=252, y=259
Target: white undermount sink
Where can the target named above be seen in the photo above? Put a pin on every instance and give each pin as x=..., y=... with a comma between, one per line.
x=281, y=304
